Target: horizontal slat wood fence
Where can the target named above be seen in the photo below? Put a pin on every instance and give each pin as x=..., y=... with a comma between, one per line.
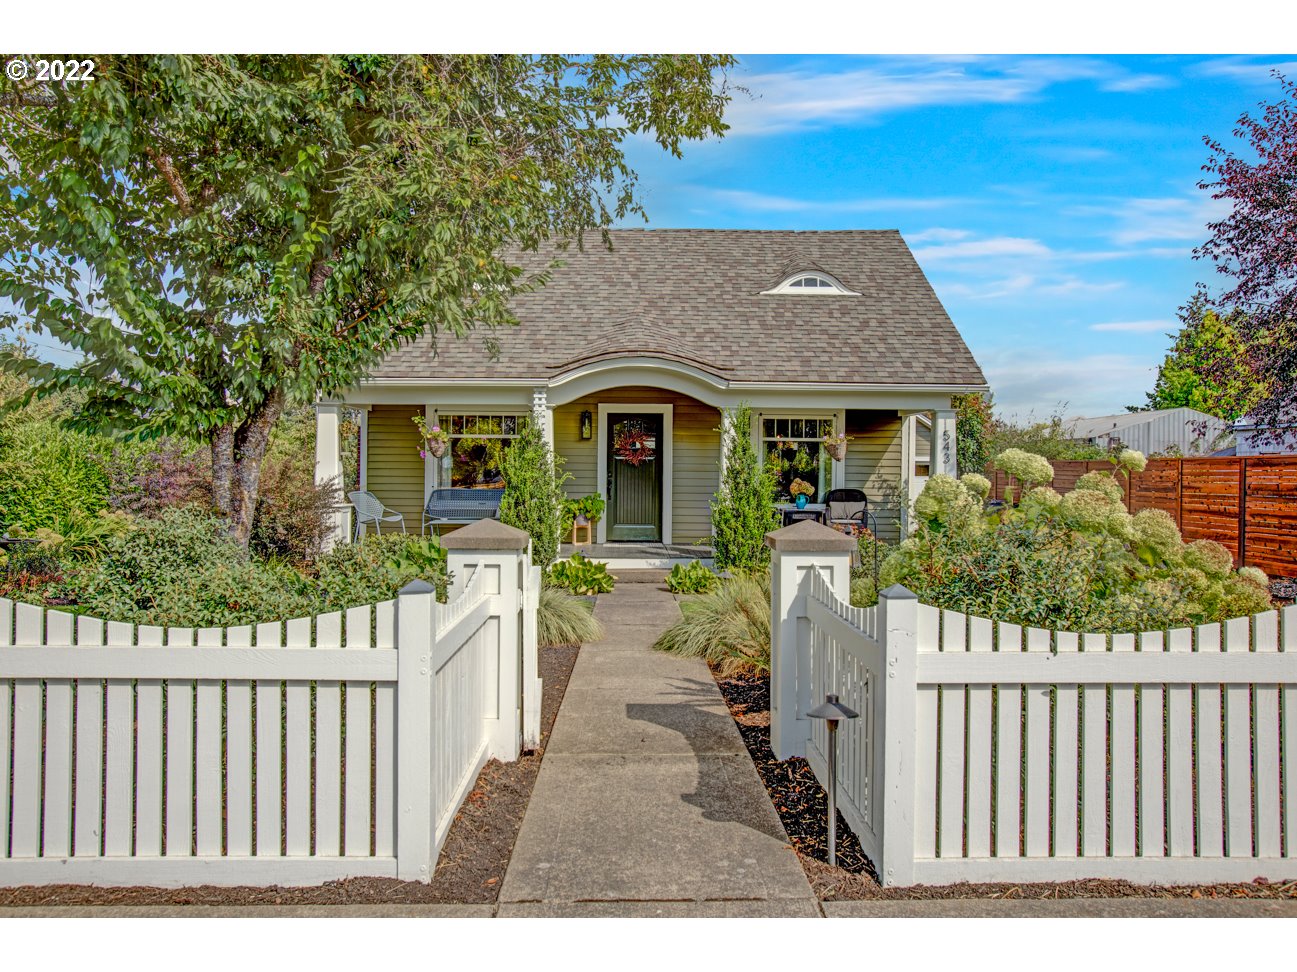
x=266, y=754
x=1248, y=504
x=990, y=752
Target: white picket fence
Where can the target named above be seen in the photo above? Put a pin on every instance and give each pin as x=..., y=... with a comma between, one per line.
x=989, y=752
x=293, y=753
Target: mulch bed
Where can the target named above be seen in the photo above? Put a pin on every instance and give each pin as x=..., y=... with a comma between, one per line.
x=802, y=806
x=470, y=869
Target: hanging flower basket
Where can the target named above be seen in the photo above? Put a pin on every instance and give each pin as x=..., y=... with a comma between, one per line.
x=836, y=446
x=432, y=441
x=633, y=447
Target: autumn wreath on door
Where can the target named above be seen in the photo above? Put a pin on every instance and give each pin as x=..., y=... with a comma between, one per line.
x=634, y=446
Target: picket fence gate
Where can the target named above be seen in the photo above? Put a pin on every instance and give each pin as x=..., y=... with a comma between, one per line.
x=282, y=753
x=991, y=752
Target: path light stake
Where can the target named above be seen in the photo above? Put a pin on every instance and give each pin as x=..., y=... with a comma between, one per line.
x=832, y=710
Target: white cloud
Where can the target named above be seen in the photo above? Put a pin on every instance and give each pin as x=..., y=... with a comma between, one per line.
x=1243, y=70
x=998, y=247
x=1038, y=383
x=815, y=97
x=1136, y=327
x=763, y=202
x=1127, y=222
x=1138, y=82
x=938, y=234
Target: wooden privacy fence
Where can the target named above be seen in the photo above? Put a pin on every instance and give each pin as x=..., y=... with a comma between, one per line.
x=294, y=753
x=989, y=752
x=1248, y=504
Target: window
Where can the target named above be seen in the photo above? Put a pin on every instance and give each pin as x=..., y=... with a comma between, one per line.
x=477, y=444
x=794, y=449
x=812, y=283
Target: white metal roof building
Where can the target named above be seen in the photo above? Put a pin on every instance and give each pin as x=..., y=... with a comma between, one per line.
x=1186, y=430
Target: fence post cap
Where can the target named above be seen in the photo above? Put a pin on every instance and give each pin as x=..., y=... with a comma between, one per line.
x=898, y=592
x=416, y=586
x=486, y=535
x=807, y=536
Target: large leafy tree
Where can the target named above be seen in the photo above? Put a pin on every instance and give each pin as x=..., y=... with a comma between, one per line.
x=1255, y=246
x=224, y=236
x=1207, y=367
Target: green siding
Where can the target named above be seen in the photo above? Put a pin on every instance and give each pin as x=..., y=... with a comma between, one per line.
x=394, y=469
x=873, y=464
x=696, y=450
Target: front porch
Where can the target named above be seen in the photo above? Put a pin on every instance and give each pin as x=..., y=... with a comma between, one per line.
x=634, y=556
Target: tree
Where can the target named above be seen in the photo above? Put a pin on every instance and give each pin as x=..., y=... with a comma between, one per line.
x=1207, y=367
x=743, y=510
x=1051, y=438
x=225, y=236
x=973, y=422
x=1256, y=247
x=533, y=492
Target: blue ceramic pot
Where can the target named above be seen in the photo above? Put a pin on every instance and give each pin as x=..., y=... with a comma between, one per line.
x=801, y=501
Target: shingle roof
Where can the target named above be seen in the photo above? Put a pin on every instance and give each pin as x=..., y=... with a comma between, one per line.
x=695, y=296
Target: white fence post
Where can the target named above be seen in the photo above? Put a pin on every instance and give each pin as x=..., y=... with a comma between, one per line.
x=795, y=552
x=501, y=551
x=898, y=616
x=531, y=680
x=415, y=819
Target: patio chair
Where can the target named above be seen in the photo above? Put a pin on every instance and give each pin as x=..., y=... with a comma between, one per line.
x=851, y=507
x=369, y=509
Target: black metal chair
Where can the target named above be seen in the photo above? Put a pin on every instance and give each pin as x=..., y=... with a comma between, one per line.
x=851, y=507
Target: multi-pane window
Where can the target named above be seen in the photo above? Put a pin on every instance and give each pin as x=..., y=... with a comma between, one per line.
x=794, y=449
x=477, y=444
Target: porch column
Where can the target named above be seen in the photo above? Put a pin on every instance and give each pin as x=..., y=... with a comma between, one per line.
x=328, y=468
x=543, y=414
x=945, y=458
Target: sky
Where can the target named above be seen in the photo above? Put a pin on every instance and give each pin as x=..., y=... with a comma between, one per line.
x=1052, y=201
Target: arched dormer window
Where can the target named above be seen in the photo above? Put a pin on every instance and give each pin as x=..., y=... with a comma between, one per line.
x=812, y=282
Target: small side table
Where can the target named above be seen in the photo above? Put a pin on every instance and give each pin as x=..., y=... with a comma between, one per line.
x=811, y=511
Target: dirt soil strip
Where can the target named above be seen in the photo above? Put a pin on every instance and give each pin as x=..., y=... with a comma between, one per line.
x=470, y=870
x=802, y=806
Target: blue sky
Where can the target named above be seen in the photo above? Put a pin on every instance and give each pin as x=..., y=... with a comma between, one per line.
x=1051, y=200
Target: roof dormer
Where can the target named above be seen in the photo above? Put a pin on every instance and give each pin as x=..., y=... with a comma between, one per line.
x=811, y=282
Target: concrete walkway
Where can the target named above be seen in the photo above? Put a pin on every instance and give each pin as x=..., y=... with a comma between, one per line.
x=647, y=802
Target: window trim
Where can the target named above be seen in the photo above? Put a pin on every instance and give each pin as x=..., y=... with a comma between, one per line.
x=438, y=472
x=835, y=287
x=837, y=470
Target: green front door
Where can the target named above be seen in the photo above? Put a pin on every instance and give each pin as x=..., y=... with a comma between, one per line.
x=634, y=477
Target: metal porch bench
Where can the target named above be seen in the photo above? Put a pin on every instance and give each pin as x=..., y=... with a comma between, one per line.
x=451, y=505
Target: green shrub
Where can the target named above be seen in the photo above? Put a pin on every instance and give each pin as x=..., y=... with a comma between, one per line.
x=376, y=568
x=46, y=471
x=533, y=493
x=1079, y=562
x=691, y=578
x=76, y=536
x=743, y=510
x=730, y=627
x=294, y=515
x=581, y=576
x=562, y=619
x=29, y=572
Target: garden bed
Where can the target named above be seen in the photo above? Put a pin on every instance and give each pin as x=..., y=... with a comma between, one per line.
x=470, y=869
x=802, y=806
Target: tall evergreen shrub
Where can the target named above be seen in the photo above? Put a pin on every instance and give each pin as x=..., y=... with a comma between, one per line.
x=743, y=510
x=533, y=492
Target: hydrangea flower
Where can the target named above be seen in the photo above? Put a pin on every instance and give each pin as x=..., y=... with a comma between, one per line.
x=1254, y=574
x=1102, y=482
x=1089, y=509
x=1042, y=499
x=1131, y=460
x=977, y=484
x=1212, y=558
x=945, y=501
x=1156, y=530
x=1026, y=467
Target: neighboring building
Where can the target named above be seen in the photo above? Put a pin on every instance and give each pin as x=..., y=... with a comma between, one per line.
x=1183, y=431
x=647, y=342
x=1249, y=443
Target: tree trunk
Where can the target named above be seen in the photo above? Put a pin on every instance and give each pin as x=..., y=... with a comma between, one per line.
x=237, y=455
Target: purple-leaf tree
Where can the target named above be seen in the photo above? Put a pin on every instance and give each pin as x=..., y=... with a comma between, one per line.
x=1256, y=247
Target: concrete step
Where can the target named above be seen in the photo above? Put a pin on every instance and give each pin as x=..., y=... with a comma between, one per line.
x=638, y=575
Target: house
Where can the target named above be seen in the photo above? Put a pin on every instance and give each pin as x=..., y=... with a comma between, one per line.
x=627, y=356
x=1178, y=431
x=1253, y=440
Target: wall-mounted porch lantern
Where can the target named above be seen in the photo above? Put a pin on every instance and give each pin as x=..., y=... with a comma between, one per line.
x=587, y=424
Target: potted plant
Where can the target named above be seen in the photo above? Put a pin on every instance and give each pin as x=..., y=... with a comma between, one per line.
x=589, y=509
x=432, y=441
x=835, y=444
x=801, y=490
